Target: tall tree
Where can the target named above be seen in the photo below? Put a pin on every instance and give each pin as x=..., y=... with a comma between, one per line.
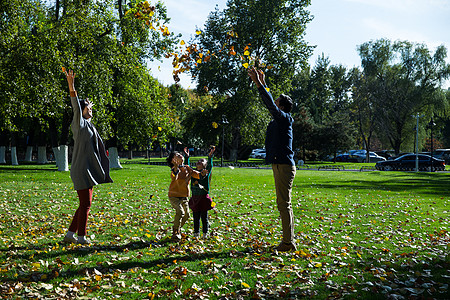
x=265, y=33
x=403, y=79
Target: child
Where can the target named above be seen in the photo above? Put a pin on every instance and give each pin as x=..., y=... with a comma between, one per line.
x=179, y=190
x=200, y=201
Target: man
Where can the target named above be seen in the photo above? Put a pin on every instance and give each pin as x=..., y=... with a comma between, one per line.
x=279, y=153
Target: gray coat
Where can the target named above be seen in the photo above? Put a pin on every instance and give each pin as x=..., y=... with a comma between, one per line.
x=90, y=165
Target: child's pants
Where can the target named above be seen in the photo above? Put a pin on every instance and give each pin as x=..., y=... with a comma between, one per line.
x=204, y=216
x=79, y=221
x=181, y=205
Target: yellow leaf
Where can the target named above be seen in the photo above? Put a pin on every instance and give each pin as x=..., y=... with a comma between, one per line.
x=198, y=32
x=63, y=69
x=245, y=65
x=213, y=204
x=36, y=265
x=98, y=277
x=267, y=89
x=199, y=61
x=182, y=42
x=247, y=53
x=245, y=285
x=318, y=265
x=215, y=125
x=159, y=128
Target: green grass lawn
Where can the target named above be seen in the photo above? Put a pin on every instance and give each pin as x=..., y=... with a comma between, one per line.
x=360, y=235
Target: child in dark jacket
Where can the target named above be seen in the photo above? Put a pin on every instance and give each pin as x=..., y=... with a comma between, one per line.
x=200, y=201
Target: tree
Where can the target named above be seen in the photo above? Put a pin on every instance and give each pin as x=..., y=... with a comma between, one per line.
x=403, y=79
x=84, y=36
x=268, y=34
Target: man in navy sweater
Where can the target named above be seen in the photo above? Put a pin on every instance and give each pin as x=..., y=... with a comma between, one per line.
x=279, y=153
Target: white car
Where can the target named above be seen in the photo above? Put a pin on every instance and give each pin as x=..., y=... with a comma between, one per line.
x=360, y=156
x=258, y=153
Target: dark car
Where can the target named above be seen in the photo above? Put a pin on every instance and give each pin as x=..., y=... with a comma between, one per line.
x=408, y=163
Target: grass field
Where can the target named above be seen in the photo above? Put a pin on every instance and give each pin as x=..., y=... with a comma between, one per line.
x=360, y=235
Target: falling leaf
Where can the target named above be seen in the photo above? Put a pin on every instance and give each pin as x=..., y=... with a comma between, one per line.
x=247, y=53
x=182, y=42
x=63, y=69
x=159, y=128
x=215, y=125
x=245, y=65
x=198, y=32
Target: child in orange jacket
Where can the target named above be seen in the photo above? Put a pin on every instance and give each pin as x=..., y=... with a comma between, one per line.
x=179, y=190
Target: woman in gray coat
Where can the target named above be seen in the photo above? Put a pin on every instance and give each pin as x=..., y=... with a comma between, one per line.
x=90, y=164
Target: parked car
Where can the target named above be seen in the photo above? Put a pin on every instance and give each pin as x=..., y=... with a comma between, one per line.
x=408, y=163
x=344, y=157
x=388, y=154
x=443, y=154
x=258, y=153
x=360, y=156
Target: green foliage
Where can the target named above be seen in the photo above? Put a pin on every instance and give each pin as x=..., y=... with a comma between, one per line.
x=402, y=79
x=106, y=48
x=268, y=34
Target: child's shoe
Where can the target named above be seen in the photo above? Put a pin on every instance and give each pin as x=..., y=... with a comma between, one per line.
x=176, y=236
x=82, y=240
x=196, y=235
x=70, y=238
x=205, y=235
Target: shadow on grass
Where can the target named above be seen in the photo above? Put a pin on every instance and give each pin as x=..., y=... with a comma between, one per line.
x=74, y=272
x=435, y=184
x=28, y=167
x=411, y=279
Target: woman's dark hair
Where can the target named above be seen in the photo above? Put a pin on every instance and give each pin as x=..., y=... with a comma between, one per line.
x=170, y=157
x=286, y=102
x=84, y=103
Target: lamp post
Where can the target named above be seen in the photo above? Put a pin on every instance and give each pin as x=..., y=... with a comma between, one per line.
x=224, y=121
x=430, y=125
x=417, y=143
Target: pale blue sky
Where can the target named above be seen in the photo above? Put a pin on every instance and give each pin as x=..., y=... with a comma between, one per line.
x=338, y=27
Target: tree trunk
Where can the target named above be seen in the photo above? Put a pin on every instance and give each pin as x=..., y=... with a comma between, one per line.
x=235, y=144
x=59, y=146
x=63, y=158
x=114, y=162
x=14, y=160
x=29, y=154
x=3, y=145
x=42, y=155
x=2, y=155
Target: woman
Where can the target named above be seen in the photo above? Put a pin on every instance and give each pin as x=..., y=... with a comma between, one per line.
x=90, y=165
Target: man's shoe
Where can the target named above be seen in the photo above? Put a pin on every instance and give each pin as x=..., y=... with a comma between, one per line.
x=283, y=247
x=70, y=239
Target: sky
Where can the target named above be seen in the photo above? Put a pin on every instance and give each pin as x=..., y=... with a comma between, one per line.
x=338, y=27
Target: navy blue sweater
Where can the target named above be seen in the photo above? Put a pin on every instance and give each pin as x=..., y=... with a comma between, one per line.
x=279, y=133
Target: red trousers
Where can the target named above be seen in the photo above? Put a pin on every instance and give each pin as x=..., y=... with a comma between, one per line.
x=79, y=221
